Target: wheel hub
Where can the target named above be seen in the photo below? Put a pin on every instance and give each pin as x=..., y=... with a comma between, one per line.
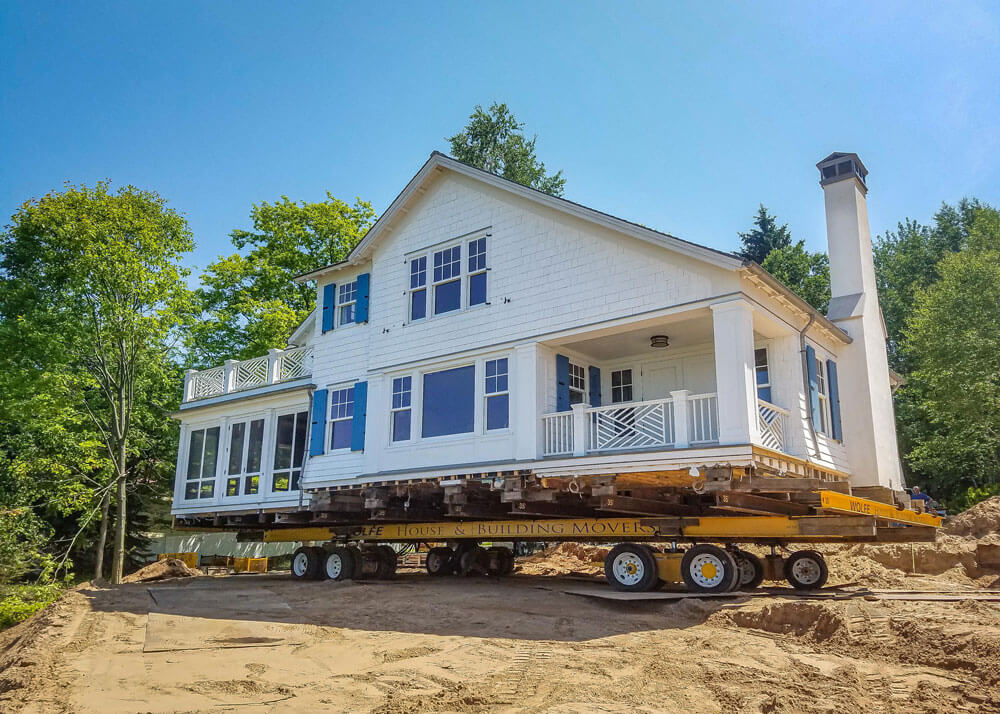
x=334, y=566
x=707, y=570
x=300, y=564
x=806, y=570
x=628, y=569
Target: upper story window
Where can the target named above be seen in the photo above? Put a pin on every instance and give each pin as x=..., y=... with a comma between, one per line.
x=453, y=283
x=402, y=392
x=763, y=374
x=621, y=386
x=203, y=455
x=341, y=417
x=347, y=298
x=497, y=395
x=577, y=384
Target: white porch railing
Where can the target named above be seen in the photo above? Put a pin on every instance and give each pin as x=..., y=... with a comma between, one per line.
x=631, y=426
x=771, y=420
x=235, y=376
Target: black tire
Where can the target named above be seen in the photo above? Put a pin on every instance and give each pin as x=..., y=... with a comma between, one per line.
x=338, y=564
x=359, y=563
x=709, y=569
x=473, y=561
x=386, y=562
x=751, y=570
x=508, y=562
x=440, y=561
x=501, y=561
x=806, y=570
x=305, y=563
x=631, y=567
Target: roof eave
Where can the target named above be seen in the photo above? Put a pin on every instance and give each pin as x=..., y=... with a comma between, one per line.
x=790, y=295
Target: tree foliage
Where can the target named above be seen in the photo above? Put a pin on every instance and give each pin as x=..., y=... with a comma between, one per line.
x=249, y=301
x=805, y=272
x=764, y=237
x=93, y=292
x=494, y=141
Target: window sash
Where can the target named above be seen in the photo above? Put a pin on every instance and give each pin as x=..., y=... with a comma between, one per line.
x=203, y=461
x=289, y=453
x=622, y=389
x=347, y=297
x=401, y=415
x=341, y=418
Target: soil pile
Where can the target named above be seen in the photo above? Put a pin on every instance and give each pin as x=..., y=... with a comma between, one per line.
x=161, y=570
x=565, y=559
x=981, y=520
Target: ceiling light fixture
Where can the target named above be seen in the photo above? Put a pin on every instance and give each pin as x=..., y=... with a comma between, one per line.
x=659, y=341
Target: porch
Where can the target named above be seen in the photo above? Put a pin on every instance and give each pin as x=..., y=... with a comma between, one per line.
x=276, y=367
x=654, y=385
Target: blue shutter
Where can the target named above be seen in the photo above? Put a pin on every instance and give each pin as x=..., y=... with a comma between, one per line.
x=831, y=376
x=594, y=374
x=329, y=300
x=361, y=308
x=317, y=433
x=813, y=387
x=562, y=383
x=360, y=414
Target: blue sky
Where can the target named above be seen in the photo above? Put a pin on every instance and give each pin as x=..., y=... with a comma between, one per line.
x=681, y=116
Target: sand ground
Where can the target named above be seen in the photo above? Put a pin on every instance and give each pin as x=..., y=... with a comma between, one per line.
x=519, y=644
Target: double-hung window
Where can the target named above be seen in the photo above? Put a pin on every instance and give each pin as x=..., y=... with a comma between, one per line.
x=341, y=417
x=448, y=279
x=824, y=397
x=289, y=451
x=246, y=442
x=346, y=300
x=402, y=391
x=497, y=395
x=577, y=384
x=621, y=386
x=763, y=374
x=477, y=271
x=203, y=454
x=418, y=288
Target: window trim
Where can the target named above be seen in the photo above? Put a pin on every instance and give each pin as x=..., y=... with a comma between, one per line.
x=273, y=449
x=186, y=463
x=464, y=275
x=328, y=437
x=487, y=395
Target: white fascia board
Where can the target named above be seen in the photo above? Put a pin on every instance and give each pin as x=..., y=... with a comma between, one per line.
x=304, y=328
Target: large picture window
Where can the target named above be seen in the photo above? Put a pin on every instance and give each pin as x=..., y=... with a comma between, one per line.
x=449, y=402
x=341, y=417
x=203, y=455
x=246, y=440
x=289, y=451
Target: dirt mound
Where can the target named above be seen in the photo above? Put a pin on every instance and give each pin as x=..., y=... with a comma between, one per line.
x=981, y=520
x=802, y=619
x=161, y=570
x=565, y=559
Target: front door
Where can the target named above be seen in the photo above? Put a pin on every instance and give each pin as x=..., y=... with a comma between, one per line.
x=658, y=381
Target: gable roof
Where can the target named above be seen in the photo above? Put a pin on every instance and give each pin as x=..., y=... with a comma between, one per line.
x=439, y=162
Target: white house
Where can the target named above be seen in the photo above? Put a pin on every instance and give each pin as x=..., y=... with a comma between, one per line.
x=489, y=350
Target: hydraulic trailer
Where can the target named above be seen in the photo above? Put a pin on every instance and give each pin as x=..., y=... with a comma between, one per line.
x=702, y=552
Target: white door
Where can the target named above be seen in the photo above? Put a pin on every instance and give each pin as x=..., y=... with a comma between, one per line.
x=659, y=380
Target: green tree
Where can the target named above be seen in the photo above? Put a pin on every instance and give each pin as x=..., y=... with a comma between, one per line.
x=806, y=273
x=94, y=288
x=494, y=141
x=951, y=415
x=765, y=236
x=250, y=302
x=906, y=260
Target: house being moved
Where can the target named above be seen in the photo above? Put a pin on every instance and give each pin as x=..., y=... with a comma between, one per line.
x=488, y=350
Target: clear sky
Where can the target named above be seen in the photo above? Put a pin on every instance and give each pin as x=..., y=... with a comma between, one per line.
x=681, y=116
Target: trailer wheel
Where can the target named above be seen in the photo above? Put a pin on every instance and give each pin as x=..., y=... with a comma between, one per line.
x=508, y=562
x=501, y=561
x=338, y=564
x=709, y=569
x=631, y=568
x=806, y=570
x=750, y=568
x=386, y=562
x=473, y=561
x=358, y=573
x=440, y=561
x=305, y=563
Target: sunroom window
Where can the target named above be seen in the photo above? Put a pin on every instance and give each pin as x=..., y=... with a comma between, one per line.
x=246, y=440
x=203, y=455
x=289, y=451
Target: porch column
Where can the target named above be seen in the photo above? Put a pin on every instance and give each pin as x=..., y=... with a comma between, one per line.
x=734, y=372
x=579, y=429
x=189, y=384
x=274, y=365
x=527, y=401
x=680, y=406
x=229, y=375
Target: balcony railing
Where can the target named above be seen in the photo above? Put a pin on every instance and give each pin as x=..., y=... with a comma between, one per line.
x=236, y=376
x=634, y=425
x=771, y=421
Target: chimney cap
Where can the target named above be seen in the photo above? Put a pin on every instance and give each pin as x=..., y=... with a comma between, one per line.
x=841, y=165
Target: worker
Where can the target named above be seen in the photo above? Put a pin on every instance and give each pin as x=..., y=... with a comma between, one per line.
x=919, y=495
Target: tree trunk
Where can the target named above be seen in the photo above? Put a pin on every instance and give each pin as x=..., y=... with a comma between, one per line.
x=102, y=539
x=118, y=562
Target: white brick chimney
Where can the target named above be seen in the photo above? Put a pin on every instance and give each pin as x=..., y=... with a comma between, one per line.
x=869, y=424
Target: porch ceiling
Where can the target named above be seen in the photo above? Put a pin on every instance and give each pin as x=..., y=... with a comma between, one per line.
x=612, y=343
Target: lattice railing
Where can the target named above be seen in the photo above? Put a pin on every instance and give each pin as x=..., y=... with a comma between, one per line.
x=703, y=415
x=276, y=366
x=293, y=364
x=557, y=433
x=632, y=426
x=771, y=420
x=250, y=373
x=207, y=383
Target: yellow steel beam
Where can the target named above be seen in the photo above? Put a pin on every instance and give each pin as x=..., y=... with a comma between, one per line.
x=841, y=503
